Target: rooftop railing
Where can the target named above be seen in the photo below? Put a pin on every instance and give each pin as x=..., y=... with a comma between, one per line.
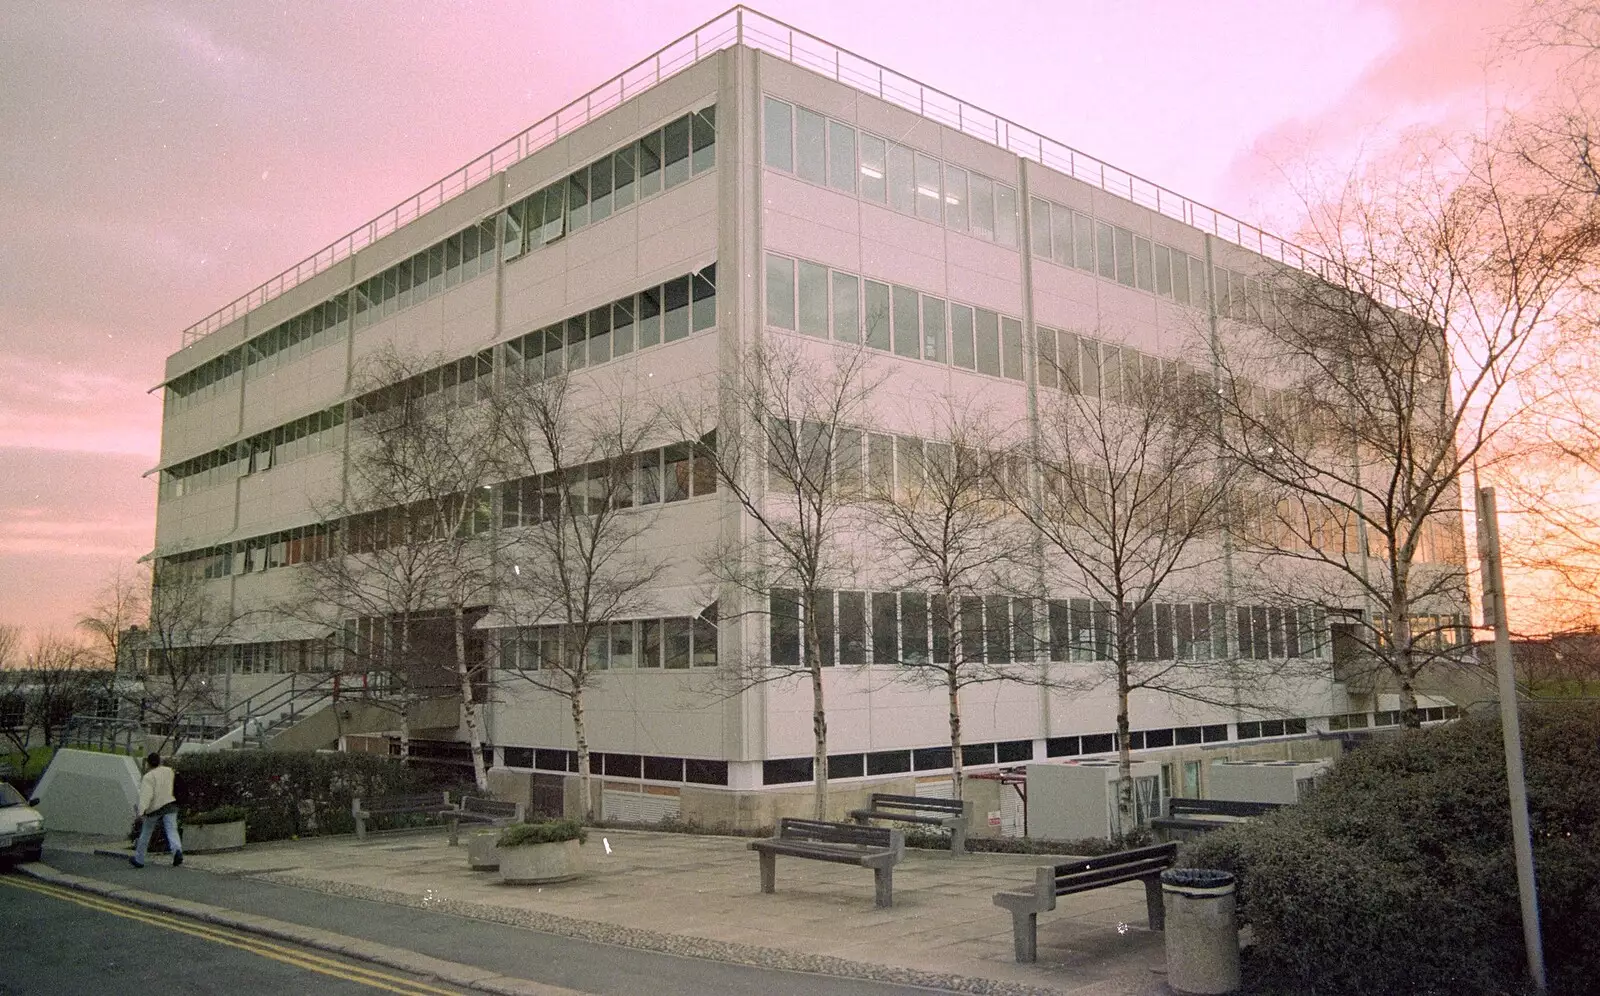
x=742, y=26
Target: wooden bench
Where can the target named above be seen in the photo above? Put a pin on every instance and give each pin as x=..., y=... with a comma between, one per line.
x=427, y=804
x=1190, y=816
x=481, y=810
x=1144, y=864
x=952, y=814
x=878, y=848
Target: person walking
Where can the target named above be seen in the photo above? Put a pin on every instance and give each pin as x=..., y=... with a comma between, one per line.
x=156, y=802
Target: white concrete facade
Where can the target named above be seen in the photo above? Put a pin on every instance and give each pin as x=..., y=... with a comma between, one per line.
x=242, y=519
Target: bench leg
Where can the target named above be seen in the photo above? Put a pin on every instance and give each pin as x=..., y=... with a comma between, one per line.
x=883, y=886
x=361, y=828
x=769, y=872
x=455, y=829
x=1025, y=935
x=1154, y=907
x=958, y=840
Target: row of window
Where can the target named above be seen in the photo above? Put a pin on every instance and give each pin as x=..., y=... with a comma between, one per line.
x=1385, y=717
x=286, y=443
x=857, y=627
x=664, y=313
x=834, y=154
x=461, y=257
x=661, y=769
x=1071, y=238
x=672, y=644
x=459, y=382
x=287, y=341
x=669, y=474
x=815, y=300
x=659, y=161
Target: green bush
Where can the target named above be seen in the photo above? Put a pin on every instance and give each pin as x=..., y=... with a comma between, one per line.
x=938, y=840
x=551, y=832
x=288, y=794
x=222, y=814
x=1397, y=876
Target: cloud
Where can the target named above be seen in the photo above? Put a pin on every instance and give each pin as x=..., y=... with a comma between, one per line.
x=53, y=406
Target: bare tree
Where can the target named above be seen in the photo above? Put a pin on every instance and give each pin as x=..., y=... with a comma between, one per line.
x=1365, y=388
x=189, y=629
x=414, y=545
x=123, y=602
x=950, y=540
x=581, y=498
x=780, y=417
x=1127, y=507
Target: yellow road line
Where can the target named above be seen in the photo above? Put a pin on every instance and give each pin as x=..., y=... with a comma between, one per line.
x=235, y=939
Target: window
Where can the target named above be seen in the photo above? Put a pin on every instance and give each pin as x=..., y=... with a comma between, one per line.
x=649, y=317
x=600, y=190
x=784, y=606
x=623, y=170
x=988, y=342
x=1124, y=250
x=927, y=181
x=1143, y=264
x=913, y=627
x=907, y=324
x=1011, y=347
x=1039, y=227
x=649, y=166
x=933, y=330
x=675, y=463
x=1005, y=214
x=846, y=307
x=982, y=201
x=877, y=314
x=1106, y=250
x=1049, y=373
x=577, y=200
x=675, y=142
x=650, y=643
x=780, y=292
x=703, y=132
x=842, y=157
x=705, y=300
x=813, y=299
x=810, y=146
x=852, y=629
x=675, y=323
x=873, y=169
x=705, y=637
x=961, y=336
x=902, y=195
x=1180, y=277
x=955, y=198
x=885, y=629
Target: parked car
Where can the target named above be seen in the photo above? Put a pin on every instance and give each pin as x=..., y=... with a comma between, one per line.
x=21, y=827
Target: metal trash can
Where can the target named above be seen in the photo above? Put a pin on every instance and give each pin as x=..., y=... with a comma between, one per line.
x=1202, y=936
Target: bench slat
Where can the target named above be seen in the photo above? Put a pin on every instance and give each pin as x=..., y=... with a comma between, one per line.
x=1143, y=865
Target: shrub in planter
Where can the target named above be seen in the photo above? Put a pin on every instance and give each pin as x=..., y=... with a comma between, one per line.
x=540, y=852
x=211, y=817
x=214, y=830
x=1397, y=875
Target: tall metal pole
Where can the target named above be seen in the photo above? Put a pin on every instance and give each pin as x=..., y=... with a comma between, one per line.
x=1494, y=613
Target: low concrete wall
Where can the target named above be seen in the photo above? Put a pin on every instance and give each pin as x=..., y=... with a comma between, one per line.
x=88, y=792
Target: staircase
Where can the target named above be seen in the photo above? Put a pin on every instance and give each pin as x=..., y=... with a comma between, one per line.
x=254, y=721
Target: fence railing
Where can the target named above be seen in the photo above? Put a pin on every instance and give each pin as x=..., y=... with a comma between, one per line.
x=742, y=26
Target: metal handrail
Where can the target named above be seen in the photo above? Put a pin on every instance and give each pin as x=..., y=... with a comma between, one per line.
x=742, y=26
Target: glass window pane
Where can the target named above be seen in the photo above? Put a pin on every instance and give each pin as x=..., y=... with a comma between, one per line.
x=873, y=170
x=1011, y=347
x=913, y=627
x=1180, y=277
x=577, y=341
x=1124, y=246
x=1061, y=234
x=600, y=190
x=813, y=299
x=1089, y=366
x=1046, y=360
x=623, y=645
x=1082, y=242
x=650, y=643
x=982, y=206
x=1039, y=227
x=649, y=316
x=846, y=307
x=927, y=172
x=600, y=335
x=961, y=349
x=933, y=329
x=842, y=157
x=1110, y=373
x=577, y=200
x=907, y=323
x=778, y=119
x=877, y=315
x=1163, y=263
x=780, y=292
x=1197, y=282
x=1005, y=214
x=705, y=298
x=649, y=164
x=647, y=478
x=885, y=629
x=1067, y=360
x=810, y=153
x=988, y=335
x=1105, y=243
x=901, y=196
x=955, y=198
x=676, y=471
x=1143, y=264
x=703, y=128
x=675, y=323
x=675, y=639
x=675, y=152
x=555, y=213
x=623, y=170
x=622, y=326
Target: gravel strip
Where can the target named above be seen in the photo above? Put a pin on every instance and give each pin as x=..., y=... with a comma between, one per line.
x=674, y=944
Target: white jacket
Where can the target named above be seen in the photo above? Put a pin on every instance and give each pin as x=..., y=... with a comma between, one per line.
x=155, y=789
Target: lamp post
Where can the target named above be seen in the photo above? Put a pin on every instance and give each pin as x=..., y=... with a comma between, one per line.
x=1494, y=614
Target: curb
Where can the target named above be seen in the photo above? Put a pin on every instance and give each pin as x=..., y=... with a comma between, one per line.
x=434, y=969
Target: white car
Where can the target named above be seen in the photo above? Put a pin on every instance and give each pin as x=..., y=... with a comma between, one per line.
x=21, y=827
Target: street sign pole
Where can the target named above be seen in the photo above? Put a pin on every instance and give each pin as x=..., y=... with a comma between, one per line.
x=1494, y=614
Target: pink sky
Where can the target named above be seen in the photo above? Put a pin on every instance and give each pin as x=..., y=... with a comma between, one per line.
x=159, y=160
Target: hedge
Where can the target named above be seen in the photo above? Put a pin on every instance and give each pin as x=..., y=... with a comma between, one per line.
x=1397, y=875
x=288, y=794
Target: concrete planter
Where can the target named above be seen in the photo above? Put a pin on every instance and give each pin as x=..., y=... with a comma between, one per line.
x=212, y=838
x=482, y=854
x=536, y=864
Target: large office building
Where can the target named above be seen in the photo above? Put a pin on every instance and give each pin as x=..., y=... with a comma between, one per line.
x=748, y=181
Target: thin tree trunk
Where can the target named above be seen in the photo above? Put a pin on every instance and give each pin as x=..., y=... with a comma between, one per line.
x=469, y=708
x=403, y=672
x=1125, y=822
x=955, y=734
x=819, y=717
x=585, y=779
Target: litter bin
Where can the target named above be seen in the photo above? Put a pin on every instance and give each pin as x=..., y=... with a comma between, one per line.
x=1201, y=935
